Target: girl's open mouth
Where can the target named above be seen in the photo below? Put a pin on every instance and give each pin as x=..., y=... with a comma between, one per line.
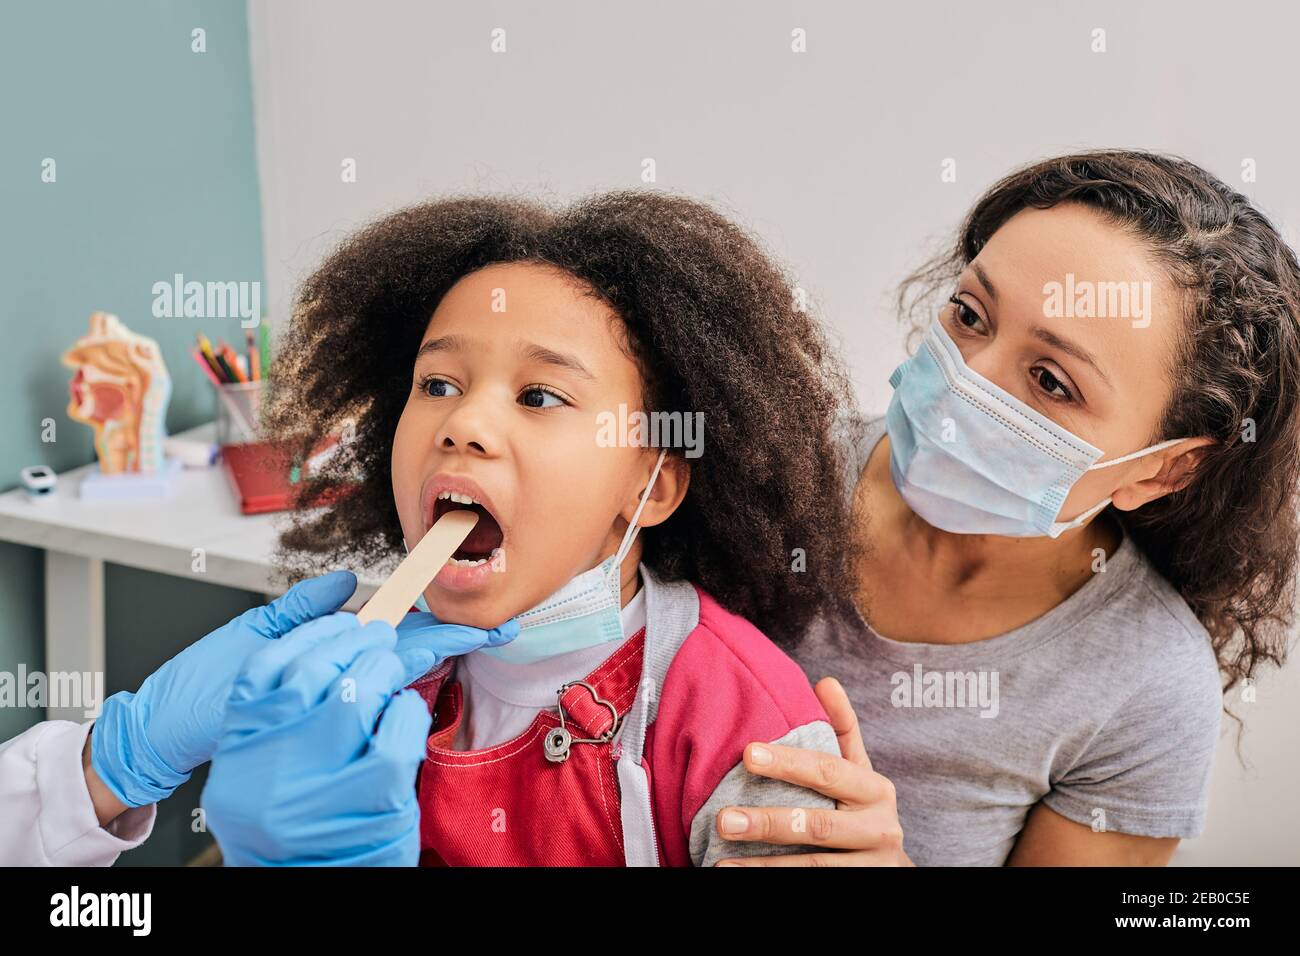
x=486, y=537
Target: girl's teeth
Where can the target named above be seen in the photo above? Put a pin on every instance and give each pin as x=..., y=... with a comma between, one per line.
x=457, y=497
x=458, y=562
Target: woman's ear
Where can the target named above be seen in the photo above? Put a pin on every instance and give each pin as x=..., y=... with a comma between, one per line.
x=1177, y=467
x=666, y=495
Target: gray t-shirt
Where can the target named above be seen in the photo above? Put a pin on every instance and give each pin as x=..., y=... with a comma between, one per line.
x=1106, y=709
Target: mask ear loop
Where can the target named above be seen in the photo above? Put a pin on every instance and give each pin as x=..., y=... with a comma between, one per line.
x=1135, y=454
x=1080, y=519
x=632, y=528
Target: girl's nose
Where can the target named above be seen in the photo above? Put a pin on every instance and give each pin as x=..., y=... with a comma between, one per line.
x=449, y=443
x=469, y=427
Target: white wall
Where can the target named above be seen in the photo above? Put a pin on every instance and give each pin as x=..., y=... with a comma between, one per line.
x=832, y=155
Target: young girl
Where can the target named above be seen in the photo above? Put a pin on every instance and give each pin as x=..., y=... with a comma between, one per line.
x=489, y=352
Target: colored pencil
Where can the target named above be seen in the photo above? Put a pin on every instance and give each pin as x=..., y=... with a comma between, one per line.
x=207, y=369
x=205, y=348
x=227, y=374
x=232, y=361
x=254, y=366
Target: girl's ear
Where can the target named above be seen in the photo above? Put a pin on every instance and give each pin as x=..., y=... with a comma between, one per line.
x=1178, y=465
x=666, y=495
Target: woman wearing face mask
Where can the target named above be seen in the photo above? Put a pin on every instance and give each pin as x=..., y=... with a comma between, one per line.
x=1081, y=518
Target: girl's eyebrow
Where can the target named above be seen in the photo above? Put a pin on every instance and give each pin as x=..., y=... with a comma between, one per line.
x=529, y=350
x=539, y=353
x=444, y=343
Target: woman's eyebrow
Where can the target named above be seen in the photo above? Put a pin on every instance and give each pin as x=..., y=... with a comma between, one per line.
x=539, y=353
x=984, y=280
x=1045, y=335
x=1069, y=348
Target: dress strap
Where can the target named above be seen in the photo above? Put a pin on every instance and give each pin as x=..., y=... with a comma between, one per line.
x=596, y=703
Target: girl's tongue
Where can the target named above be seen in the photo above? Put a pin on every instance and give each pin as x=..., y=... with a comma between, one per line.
x=483, y=540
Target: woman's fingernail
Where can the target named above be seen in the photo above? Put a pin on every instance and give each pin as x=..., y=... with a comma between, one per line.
x=733, y=821
x=760, y=755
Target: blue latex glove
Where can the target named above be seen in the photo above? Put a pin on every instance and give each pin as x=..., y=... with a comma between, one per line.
x=423, y=643
x=144, y=745
x=302, y=776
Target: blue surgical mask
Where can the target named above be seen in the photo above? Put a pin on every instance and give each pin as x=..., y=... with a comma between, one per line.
x=971, y=458
x=584, y=612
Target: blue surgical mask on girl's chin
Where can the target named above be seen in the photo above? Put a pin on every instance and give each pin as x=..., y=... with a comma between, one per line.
x=584, y=612
x=971, y=458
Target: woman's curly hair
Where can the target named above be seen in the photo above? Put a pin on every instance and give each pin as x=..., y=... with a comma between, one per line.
x=1228, y=540
x=712, y=323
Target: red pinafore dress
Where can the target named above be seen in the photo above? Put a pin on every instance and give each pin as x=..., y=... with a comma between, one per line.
x=512, y=804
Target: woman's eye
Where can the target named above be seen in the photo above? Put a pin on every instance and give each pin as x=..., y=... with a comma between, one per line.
x=535, y=397
x=965, y=314
x=1053, y=386
x=438, y=388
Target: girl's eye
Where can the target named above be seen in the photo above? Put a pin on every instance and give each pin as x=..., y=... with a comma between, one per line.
x=964, y=313
x=1053, y=386
x=438, y=387
x=537, y=396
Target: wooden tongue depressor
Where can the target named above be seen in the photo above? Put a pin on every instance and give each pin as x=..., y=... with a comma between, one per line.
x=396, y=595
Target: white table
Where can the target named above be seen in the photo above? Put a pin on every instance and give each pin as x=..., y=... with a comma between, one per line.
x=158, y=535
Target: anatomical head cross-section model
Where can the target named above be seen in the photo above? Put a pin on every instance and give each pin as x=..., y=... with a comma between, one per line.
x=121, y=391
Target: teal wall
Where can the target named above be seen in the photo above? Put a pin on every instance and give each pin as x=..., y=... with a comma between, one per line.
x=156, y=175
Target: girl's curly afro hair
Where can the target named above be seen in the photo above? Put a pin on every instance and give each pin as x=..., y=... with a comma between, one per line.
x=713, y=324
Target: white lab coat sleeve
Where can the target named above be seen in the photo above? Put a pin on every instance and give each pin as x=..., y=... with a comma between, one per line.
x=46, y=816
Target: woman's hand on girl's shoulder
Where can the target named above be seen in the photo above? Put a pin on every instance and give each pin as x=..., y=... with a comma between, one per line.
x=865, y=819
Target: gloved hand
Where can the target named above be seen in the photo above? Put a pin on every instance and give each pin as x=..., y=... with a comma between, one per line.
x=423, y=643
x=302, y=776
x=144, y=745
